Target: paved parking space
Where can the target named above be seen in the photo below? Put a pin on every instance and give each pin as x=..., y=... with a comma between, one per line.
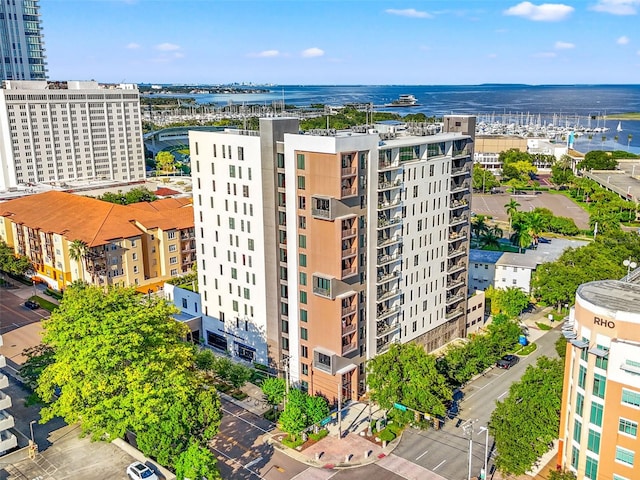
x=560, y=205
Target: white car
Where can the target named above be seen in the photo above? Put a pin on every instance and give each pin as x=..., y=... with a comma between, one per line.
x=138, y=471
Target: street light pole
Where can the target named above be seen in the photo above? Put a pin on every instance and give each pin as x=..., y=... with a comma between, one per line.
x=340, y=406
x=31, y=429
x=483, y=475
x=468, y=429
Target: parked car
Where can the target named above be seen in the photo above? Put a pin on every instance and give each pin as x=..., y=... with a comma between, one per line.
x=507, y=362
x=138, y=471
x=543, y=240
x=31, y=305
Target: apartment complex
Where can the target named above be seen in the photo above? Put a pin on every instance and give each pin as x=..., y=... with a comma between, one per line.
x=60, y=133
x=601, y=395
x=139, y=245
x=7, y=439
x=21, y=45
x=318, y=251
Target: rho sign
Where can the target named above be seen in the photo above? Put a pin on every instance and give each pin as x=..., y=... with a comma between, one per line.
x=604, y=322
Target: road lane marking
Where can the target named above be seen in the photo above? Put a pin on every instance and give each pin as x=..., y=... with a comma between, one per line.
x=439, y=465
x=422, y=455
x=502, y=395
x=246, y=421
x=467, y=397
x=253, y=462
x=233, y=460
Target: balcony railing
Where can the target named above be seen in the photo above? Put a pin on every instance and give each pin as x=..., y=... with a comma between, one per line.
x=391, y=204
x=349, y=272
x=455, y=298
x=455, y=236
x=385, y=328
x=459, y=188
x=323, y=292
x=349, y=347
x=458, y=220
x=460, y=170
x=457, y=267
x=388, y=241
x=383, y=346
x=7, y=441
x=387, y=222
x=347, y=329
x=387, y=294
x=454, y=313
x=349, y=252
x=6, y=421
x=349, y=171
x=349, y=232
x=350, y=310
x=389, y=185
x=461, y=153
x=452, y=253
x=5, y=401
x=384, y=259
x=320, y=213
x=455, y=204
x=387, y=276
x=388, y=165
x=382, y=314
x=350, y=192
x=455, y=283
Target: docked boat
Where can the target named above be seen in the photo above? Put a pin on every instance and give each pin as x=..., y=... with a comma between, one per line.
x=405, y=100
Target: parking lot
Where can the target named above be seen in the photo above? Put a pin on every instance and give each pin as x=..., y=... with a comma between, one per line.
x=560, y=205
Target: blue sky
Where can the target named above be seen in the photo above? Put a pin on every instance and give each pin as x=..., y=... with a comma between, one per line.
x=413, y=42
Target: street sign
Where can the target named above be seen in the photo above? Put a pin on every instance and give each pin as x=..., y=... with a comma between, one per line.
x=325, y=421
x=400, y=407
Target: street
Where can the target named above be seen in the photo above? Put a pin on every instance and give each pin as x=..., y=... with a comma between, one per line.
x=446, y=451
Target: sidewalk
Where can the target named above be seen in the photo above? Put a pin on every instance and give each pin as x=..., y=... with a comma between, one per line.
x=532, y=319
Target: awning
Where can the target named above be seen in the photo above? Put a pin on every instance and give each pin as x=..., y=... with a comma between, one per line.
x=598, y=352
x=579, y=343
x=568, y=334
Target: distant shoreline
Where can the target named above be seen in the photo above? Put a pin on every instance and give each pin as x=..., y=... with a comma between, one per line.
x=622, y=116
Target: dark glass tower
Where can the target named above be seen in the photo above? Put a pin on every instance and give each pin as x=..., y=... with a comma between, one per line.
x=21, y=46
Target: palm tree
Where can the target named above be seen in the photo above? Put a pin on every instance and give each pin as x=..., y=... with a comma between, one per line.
x=512, y=209
x=478, y=225
x=521, y=235
x=78, y=251
x=491, y=237
x=535, y=221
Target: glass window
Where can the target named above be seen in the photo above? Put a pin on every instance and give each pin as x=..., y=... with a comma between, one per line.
x=302, y=241
x=280, y=160
x=303, y=297
x=302, y=260
x=619, y=477
x=301, y=182
x=630, y=397
x=579, y=404
x=303, y=315
x=304, y=333
x=582, y=376
x=599, y=384
x=593, y=441
x=300, y=158
x=303, y=278
x=596, y=413
x=591, y=469
x=625, y=456
x=575, y=457
x=577, y=430
x=628, y=427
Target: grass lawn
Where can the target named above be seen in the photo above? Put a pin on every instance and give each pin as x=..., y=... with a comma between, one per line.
x=524, y=351
x=543, y=326
x=46, y=304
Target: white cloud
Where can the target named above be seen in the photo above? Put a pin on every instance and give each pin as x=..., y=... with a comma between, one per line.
x=266, y=54
x=564, y=45
x=167, y=47
x=617, y=7
x=544, y=55
x=409, y=12
x=546, y=12
x=133, y=46
x=492, y=55
x=623, y=40
x=312, y=52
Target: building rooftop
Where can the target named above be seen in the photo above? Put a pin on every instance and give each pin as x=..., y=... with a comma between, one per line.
x=484, y=256
x=524, y=260
x=94, y=221
x=621, y=298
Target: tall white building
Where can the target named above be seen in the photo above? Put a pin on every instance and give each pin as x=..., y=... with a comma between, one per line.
x=21, y=46
x=65, y=132
x=318, y=251
x=7, y=439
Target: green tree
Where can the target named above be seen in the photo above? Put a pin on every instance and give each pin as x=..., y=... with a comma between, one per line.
x=561, y=346
x=561, y=173
x=491, y=237
x=196, y=463
x=521, y=236
x=139, y=194
x=511, y=209
x=78, y=251
x=12, y=263
x=38, y=358
x=483, y=180
x=561, y=475
x=121, y=365
x=274, y=390
x=407, y=374
x=527, y=421
x=165, y=161
x=316, y=409
x=239, y=375
x=510, y=301
x=478, y=225
x=293, y=420
x=205, y=360
x=597, y=160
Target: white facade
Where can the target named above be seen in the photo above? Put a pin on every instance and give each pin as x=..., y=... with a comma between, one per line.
x=52, y=134
x=515, y=270
x=21, y=44
x=7, y=439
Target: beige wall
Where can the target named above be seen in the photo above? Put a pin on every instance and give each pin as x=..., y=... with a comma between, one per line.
x=493, y=144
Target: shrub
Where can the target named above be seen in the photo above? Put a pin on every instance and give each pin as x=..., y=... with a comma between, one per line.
x=239, y=395
x=271, y=415
x=543, y=326
x=319, y=436
x=386, y=435
x=292, y=442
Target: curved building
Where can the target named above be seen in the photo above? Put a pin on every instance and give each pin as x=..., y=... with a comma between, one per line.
x=601, y=395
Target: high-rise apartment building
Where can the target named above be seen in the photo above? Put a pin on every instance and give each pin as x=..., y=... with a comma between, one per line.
x=65, y=132
x=7, y=439
x=318, y=251
x=21, y=47
x=601, y=394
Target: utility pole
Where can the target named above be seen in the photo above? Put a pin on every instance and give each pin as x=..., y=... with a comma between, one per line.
x=483, y=473
x=468, y=430
x=340, y=406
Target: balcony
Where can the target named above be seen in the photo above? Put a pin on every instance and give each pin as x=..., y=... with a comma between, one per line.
x=322, y=292
x=455, y=268
x=7, y=441
x=456, y=236
x=455, y=298
x=383, y=346
x=5, y=401
x=349, y=171
x=388, y=241
x=460, y=171
x=390, y=204
x=4, y=381
x=3, y=361
x=454, y=313
x=187, y=236
x=387, y=294
x=386, y=259
x=460, y=219
x=321, y=213
x=349, y=233
x=350, y=310
x=348, y=329
x=382, y=186
x=385, y=328
x=348, y=348
x=349, y=272
x=382, y=314
x=349, y=192
x=385, y=277
x=456, y=204
x=6, y=421
x=382, y=166
x=459, y=188
x=349, y=252
x=455, y=252
x=387, y=222
x=465, y=152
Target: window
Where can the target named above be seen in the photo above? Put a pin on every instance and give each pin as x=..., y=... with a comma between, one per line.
x=582, y=376
x=300, y=158
x=322, y=286
x=619, y=477
x=302, y=222
x=172, y=248
x=171, y=235
x=235, y=306
x=247, y=294
x=280, y=160
x=596, y=414
x=303, y=278
x=304, y=351
x=575, y=457
x=577, y=430
x=232, y=223
x=232, y=171
x=628, y=427
x=251, y=245
x=240, y=153
x=303, y=316
x=580, y=404
x=599, y=384
x=302, y=241
x=302, y=202
x=301, y=182
x=303, y=297
x=305, y=368
x=631, y=398
x=304, y=334
x=591, y=469
x=624, y=456
x=184, y=303
x=302, y=260
x=593, y=441
x=173, y=260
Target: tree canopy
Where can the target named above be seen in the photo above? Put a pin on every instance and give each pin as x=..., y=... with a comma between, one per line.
x=165, y=161
x=120, y=364
x=527, y=421
x=135, y=195
x=510, y=301
x=406, y=374
x=12, y=263
x=482, y=179
x=598, y=160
